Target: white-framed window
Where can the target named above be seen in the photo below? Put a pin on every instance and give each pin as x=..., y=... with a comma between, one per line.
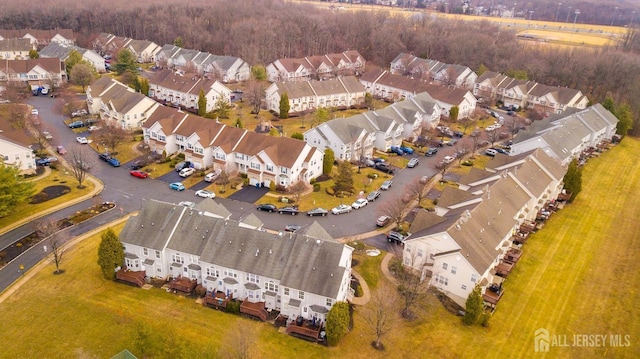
x=253, y=278
x=271, y=286
x=255, y=166
x=474, y=278
x=177, y=258
x=463, y=287
x=230, y=273
x=213, y=272
x=454, y=269
x=444, y=266
x=158, y=254
x=269, y=168
x=300, y=295
x=145, y=251
x=286, y=291
x=284, y=170
x=329, y=302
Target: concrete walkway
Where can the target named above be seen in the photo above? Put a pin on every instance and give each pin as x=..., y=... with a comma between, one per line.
x=384, y=266
x=366, y=293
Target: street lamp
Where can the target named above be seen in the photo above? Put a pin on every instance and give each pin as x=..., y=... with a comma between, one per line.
x=576, y=18
x=530, y=13
x=568, y=13
x=558, y=12
x=615, y=8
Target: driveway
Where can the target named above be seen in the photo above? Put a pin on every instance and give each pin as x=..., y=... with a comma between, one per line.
x=249, y=194
x=170, y=177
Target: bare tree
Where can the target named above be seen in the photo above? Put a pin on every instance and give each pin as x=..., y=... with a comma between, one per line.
x=463, y=150
x=49, y=231
x=395, y=208
x=493, y=136
x=412, y=286
x=475, y=141
x=224, y=180
x=297, y=190
x=417, y=189
x=80, y=164
x=380, y=315
x=443, y=167
x=254, y=96
x=111, y=136
x=512, y=124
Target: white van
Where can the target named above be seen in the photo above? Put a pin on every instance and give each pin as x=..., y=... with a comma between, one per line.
x=491, y=152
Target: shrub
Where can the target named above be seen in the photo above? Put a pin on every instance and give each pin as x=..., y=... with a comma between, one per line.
x=3, y=254
x=200, y=290
x=330, y=191
x=233, y=307
x=359, y=292
x=53, y=166
x=243, y=175
x=372, y=175
x=316, y=187
x=18, y=244
x=358, y=246
x=467, y=163
x=281, y=188
x=272, y=186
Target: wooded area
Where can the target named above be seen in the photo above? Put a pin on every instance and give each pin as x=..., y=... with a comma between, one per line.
x=260, y=31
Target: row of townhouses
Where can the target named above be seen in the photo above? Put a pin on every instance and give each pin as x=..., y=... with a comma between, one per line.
x=391, y=87
x=15, y=147
x=210, y=144
x=317, y=67
x=565, y=136
x=62, y=52
x=206, y=142
x=299, y=275
x=183, y=90
x=225, y=68
x=44, y=71
x=433, y=71
x=355, y=137
x=144, y=51
x=341, y=93
x=473, y=236
x=15, y=49
x=528, y=94
x=40, y=38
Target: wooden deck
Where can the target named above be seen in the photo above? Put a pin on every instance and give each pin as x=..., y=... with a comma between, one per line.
x=254, y=310
x=217, y=300
x=304, y=329
x=491, y=298
x=512, y=256
x=131, y=277
x=503, y=269
x=183, y=284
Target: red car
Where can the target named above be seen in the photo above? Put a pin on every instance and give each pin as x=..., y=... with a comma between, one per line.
x=139, y=174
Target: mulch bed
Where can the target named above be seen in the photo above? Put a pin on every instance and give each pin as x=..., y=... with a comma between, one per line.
x=49, y=193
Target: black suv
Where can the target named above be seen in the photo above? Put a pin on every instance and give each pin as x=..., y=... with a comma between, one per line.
x=384, y=167
x=184, y=164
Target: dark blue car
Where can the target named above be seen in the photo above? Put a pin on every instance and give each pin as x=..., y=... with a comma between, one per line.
x=397, y=150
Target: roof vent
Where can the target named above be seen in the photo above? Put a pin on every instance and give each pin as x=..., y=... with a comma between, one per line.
x=318, y=242
x=332, y=274
x=152, y=223
x=240, y=250
x=142, y=226
x=314, y=268
x=257, y=251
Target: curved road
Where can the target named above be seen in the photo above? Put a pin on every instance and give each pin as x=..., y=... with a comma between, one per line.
x=129, y=193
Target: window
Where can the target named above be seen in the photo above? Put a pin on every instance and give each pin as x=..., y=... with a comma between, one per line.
x=255, y=166
x=145, y=251
x=286, y=291
x=177, y=258
x=253, y=278
x=444, y=266
x=463, y=287
x=158, y=254
x=453, y=270
x=271, y=286
x=443, y=280
x=329, y=302
x=420, y=252
x=230, y=273
x=283, y=170
x=474, y=278
x=269, y=168
x=300, y=295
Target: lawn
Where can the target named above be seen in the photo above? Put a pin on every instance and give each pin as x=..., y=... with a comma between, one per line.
x=578, y=275
x=55, y=178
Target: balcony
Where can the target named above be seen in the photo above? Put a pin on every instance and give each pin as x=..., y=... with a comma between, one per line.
x=512, y=256
x=305, y=329
x=503, y=269
x=254, y=310
x=492, y=295
x=183, y=284
x=135, y=278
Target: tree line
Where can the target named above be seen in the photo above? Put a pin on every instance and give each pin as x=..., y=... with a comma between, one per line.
x=261, y=31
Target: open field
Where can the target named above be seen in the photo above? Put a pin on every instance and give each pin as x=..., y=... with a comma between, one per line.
x=578, y=275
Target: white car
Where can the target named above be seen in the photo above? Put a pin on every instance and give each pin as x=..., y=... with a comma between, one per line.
x=93, y=128
x=448, y=159
x=359, y=203
x=212, y=176
x=82, y=140
x=187, y=204
x=34, y=112
x=343, y=208
x=205, y=194
x=47, y=135
x=186, y=172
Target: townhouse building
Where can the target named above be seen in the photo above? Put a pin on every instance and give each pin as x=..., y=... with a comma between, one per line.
x=118, y=104
x=62, y=51
x=355, y=137
x=40, y=38
x=475, y=235
x=528, y=94
x=433, y=71
x=15, y=148
x=144, y=51
x=227, y=69
x=183, y=90
x=565, y=136
x=317, y=67
x=341, y=92
x=34, y=72
x=296, y=274
x=210, y=144
x=391, y=87
x=15, y=49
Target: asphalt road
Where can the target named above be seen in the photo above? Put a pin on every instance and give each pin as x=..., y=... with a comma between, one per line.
x=129, y=193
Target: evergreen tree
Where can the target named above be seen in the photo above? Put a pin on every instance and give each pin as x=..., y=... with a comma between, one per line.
x=13, y=190
x=144, y=86
x=609, y=105
x=368, y=100
x=110, y=253
x=297, y=136
x=223, y=107
x=178, y=41
x=33, y=54
x=474, y=307
x=343, y=182
x=73, y=58
x=126, y=61
x=258, y=72
x=453, y=113
x=284, y=106
x=338, y=320
x=573, y=179
x=625, y=119
x=202, y=103
x=482, y=69
x=327, y=162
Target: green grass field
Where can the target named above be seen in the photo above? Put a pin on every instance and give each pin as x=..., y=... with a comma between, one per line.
x=578, y=275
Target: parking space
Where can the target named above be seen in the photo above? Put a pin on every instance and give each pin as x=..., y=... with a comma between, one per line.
x=249, y=194
x=171, y=177
x=200, y=185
